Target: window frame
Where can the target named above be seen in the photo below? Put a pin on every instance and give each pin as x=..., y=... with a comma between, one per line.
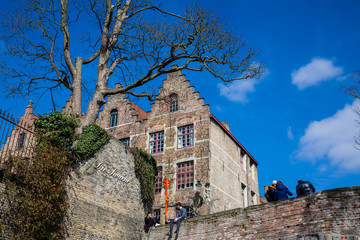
x=189, y=212
x=158, y=180
x=187, y=184
x=173, y=105
x=124, y=140
x=21, y=140
x=111, y=117
x=157, y=140
x=185, y=135
x=157, y=214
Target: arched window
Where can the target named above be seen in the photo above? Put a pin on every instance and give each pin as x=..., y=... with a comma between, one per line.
x=113, y=118
x=173, y=102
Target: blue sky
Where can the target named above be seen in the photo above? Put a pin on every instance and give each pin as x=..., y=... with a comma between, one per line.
x=296, y=120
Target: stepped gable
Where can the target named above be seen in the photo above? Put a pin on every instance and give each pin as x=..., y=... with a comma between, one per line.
x=188, y=99
x=130, y=111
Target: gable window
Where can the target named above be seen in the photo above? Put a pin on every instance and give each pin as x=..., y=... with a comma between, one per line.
x=186, y=136
x=113, y=118
x=185, y=175
x=158, y=181
x=125, y=141
x=173, y=102
x=157, y=142
x=21, y=140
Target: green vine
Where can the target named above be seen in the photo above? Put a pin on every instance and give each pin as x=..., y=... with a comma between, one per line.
x=91, y=140
x=145, y=171
x=36, y=189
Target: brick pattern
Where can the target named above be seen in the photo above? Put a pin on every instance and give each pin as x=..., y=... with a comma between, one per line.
x=328, y=215
x=191, y=111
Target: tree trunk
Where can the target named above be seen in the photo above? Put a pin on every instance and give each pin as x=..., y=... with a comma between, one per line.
x=98, y=99
x=77, y=104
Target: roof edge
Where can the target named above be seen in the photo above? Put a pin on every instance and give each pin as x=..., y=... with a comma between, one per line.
x=232, y=136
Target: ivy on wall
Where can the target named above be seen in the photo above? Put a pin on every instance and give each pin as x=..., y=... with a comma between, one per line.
x=145, y=171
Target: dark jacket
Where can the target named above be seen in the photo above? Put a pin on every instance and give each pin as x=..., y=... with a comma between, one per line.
x=270, y=194
x=181, y=213
x=281, y=192
x=304, y=187
x=150, y=222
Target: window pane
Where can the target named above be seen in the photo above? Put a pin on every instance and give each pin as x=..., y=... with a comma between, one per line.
x=152, y=136
x=190, y=129
x=181, y=130
x=160, y=146
x=181, y=141
x=160, y=135
x=152, y=147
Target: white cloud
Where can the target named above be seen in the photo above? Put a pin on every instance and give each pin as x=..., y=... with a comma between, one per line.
x=237, y=91
x=318, y=70
x=290, y=134
x=331, y=140
x=218, y=108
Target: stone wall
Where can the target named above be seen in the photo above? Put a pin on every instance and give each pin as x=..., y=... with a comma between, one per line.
x=3, y=212
x=104, y=197
x=328, y=215
x=234, y=183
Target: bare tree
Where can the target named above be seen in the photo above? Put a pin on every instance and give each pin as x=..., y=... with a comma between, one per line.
x=354, y=91
x=134, y=41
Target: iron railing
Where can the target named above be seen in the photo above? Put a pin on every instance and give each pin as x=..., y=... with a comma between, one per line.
x=17, y=138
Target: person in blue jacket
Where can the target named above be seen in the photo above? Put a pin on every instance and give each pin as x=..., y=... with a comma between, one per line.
x=281, y=191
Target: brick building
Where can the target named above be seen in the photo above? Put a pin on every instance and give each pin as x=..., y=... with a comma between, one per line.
x=17, y=137
x=190, y=146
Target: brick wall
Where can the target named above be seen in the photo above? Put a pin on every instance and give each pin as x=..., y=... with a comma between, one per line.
x=137, y=126
x=328, y=215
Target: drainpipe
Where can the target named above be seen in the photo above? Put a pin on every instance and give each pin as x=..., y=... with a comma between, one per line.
x=247, y=180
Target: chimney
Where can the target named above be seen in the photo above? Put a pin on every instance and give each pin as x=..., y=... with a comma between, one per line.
x=226, y=125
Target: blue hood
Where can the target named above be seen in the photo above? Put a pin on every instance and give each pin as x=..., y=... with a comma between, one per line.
x=280, y=187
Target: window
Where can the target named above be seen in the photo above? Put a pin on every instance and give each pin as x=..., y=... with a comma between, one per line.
x=173, y=103
x=189, y=212
x=125, y=141
x=113, y=118
x=21, y=140
x=158, y=181
x=251, y=170
x=185, y=175
x=253, y=198
x=186, y=136
x=157, y=214
x=243, y=190
x=157, y=142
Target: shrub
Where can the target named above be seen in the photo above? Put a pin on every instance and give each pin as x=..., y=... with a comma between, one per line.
x=91, y=140
x=36, y=194
x=57, y=128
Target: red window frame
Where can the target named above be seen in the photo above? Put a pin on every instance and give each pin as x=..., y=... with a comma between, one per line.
x=185, y=175
x=158, y=181
x=158, y=141
x=187, y=134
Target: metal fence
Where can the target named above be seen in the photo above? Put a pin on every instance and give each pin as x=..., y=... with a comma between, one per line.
x=17, y=138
